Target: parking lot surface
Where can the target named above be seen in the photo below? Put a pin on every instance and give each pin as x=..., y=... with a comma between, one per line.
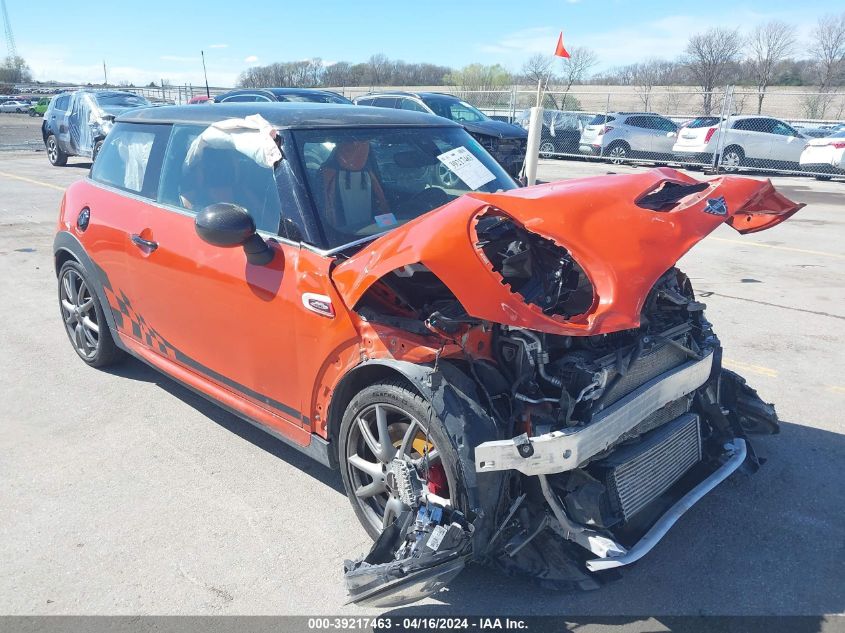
x=123, y=493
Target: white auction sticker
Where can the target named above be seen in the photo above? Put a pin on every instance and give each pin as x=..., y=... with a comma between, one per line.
x=436, y=537
x=467, y=167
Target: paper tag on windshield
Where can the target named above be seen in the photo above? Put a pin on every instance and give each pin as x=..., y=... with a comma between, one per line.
x=467, y=167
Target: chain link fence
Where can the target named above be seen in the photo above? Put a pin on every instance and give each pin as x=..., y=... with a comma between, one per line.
x=719, y=130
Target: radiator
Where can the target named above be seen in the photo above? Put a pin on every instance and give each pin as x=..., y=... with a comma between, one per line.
x=644, y=471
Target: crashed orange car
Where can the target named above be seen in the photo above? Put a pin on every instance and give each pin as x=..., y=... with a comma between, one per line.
x=515, y=376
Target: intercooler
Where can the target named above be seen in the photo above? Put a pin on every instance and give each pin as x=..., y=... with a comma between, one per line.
x=642, y=472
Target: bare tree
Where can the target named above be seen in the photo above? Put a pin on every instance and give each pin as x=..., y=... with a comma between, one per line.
x=537, y=69
x=710, y=58
x=378, y=67
x=768, y=45
x=577, y=66
x=646, y=75
x=828, y=50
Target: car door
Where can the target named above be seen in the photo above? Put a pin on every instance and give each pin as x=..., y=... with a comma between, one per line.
x=754, y=137
x=227, y=323
x=786, y=143
x=58, y=122
x=125, y=181
x=640, y=135
x=665, y=135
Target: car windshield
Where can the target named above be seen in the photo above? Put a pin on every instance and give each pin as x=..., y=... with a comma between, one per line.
x=367, y=181
x=118, y=100
x=455, y=109
x=311, y=97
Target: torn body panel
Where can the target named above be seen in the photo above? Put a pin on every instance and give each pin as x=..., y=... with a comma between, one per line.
x=622, y=248
x=581, y=354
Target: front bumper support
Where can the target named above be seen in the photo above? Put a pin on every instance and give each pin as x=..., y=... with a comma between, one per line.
x=560, y=451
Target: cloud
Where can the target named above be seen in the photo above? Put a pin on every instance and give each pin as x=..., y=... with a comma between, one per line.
x=251, y=59
x=218, y=46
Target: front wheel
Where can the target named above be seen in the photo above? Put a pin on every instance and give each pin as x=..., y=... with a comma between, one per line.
x=388, y=424
x=55, y=154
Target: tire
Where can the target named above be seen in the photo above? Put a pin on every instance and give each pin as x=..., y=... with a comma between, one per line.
x=547, y=149
x=395, y=399
x=97, y=146
x=446, y=176
x=618, y=152
x=87, y=328
x=732, y=158
x=822, y=177
x=55, y=154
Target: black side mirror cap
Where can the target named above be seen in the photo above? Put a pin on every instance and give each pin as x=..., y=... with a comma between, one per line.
x=228, y=225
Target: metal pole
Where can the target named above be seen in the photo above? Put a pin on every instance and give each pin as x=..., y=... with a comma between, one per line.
x=532, y=150
x=205, y=74
x=105, y=76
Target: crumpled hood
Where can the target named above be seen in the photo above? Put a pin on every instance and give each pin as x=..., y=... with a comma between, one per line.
x=499, y=129
x=623, y=248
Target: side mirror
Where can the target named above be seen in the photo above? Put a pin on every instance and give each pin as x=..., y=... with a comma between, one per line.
x=227, y=225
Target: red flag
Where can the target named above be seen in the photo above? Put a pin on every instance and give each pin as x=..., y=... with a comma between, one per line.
x=560, y=51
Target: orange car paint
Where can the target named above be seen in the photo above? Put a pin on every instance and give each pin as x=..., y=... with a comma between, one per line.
x=241, y=334
x=623, y=248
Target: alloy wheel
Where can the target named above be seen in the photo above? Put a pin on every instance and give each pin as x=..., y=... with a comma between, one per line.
x=617, y=155
x=380, y=434
x=52, y=150
x=731, y=160
x=447, y=177
x=79, y=314
x=547, y=149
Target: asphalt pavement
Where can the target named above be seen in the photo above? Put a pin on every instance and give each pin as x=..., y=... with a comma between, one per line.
x=123, y=493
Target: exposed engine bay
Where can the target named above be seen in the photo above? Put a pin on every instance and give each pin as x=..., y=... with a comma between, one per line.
x=602, y=441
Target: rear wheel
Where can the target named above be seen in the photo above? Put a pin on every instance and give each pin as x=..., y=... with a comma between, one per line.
x=55, y=155
x=732, y=158
x=618, y=153
x=385, y=422
x=83, y=317
x=547, y=149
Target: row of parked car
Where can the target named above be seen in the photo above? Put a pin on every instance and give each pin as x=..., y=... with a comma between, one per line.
x=76, y=123
x=735, y=142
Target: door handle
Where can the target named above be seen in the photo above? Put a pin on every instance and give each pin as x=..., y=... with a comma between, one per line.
x=142, y=243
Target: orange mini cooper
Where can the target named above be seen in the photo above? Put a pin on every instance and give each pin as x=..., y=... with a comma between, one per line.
x=519, y=376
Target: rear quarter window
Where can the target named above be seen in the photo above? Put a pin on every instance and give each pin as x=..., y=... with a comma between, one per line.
x=130, y=158
x=601, y=119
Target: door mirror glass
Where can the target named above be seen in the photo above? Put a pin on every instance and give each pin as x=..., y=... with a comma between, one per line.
x=227, y=225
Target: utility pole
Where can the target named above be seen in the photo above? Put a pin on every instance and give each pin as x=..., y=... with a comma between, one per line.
x=205, y=73
x=105, y=75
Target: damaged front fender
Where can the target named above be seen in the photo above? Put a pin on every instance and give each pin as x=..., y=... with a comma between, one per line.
x=621, y=232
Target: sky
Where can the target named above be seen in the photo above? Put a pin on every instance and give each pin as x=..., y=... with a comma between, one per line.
x=155, y=39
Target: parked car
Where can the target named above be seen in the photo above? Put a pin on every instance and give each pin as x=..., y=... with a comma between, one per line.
x=561, y=132
x=14, y=106
x=825, y=157
x=299, y=95
x=506, y=142
x=749, y=141
x=40, y=107
x=620, y=136
x=200, y=99
x=439, y=345
x=76, y=123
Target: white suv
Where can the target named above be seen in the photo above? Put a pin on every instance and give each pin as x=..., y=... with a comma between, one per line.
x=749, y=141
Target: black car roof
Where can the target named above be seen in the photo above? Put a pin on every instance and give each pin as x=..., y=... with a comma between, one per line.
x=288, y=115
